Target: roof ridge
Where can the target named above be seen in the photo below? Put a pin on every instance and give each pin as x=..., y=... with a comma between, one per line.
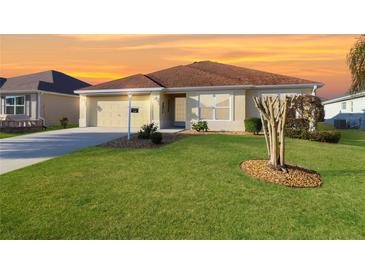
x=153, y=80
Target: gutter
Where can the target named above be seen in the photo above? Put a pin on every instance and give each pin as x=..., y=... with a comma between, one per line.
x=35, y=91
x=118, y=91
x=345, y=98
x=202, y=88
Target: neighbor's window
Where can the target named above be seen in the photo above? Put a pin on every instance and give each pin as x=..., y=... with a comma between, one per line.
x=343, y=105
x=14, y=105
x=214, y=107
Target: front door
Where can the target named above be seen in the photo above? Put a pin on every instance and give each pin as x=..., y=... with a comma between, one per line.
x=180, y=111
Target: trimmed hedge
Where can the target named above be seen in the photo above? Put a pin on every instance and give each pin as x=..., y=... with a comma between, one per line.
x=253, y=125
x=328, y=136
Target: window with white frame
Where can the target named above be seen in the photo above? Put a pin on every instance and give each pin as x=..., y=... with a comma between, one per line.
x=343, y=105
x=215, y=107
x=14, y=104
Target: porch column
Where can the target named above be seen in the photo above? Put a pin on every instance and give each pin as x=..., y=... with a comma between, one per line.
x=83, y=111
x=129, y=114
x=155, y=108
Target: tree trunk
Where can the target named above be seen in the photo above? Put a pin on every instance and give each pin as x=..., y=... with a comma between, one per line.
x=273, y=114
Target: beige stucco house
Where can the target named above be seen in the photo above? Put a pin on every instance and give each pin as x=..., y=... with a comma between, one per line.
x=47, y=96
x=218, y=93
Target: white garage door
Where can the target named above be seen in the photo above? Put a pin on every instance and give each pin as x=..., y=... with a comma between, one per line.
x=112, y=111
x=111, y=114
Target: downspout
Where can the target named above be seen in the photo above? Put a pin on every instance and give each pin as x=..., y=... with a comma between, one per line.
x=315, y=87
x=129, y=114
x=39, y=108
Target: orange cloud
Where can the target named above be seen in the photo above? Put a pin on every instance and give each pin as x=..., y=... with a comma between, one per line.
x=98, y=58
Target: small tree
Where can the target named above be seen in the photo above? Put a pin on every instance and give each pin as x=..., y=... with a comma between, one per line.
x=273, y=111
x=64, y=122
x=309, y=108
x=356, y=63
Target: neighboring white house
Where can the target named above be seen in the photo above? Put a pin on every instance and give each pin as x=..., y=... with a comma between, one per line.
x=349, y=108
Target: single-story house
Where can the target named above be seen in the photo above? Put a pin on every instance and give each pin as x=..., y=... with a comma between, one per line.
x=218, y=93
x=47, y=96
x=346, y=111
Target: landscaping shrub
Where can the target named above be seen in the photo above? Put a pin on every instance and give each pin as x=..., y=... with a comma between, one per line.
x=329, y=136
x=64, y=122
x=297, y=128
x=296, y=133
x=146, y=131
x=200, y=126
x=253, y=125
x=297, y=123
x=156, y=137
x=309, y=108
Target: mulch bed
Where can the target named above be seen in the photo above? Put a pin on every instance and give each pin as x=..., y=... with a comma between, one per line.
x=167, y=139
x=295, y=177
x=193, y=132
x=134, y=142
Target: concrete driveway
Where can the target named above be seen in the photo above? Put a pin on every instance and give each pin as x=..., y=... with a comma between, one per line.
x=22, y=151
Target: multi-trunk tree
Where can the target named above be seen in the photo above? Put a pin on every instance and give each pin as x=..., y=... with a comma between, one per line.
x=273, y=111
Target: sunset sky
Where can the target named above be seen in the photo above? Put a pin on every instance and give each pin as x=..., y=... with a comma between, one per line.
x=100, y=58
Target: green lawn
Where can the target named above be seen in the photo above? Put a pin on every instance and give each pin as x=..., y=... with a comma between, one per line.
x=191, y=189
x=49, y=128
x=7, y=135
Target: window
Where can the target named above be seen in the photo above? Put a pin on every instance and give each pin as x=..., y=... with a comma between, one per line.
x=343, y=105
x=352, y=106
x=14, y=105
x=214, y=107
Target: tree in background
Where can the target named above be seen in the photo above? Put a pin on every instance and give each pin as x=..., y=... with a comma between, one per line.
x=356, y=63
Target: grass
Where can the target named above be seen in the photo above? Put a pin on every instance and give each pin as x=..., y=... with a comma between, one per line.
x=353, y=137
x=49, y=128
x=7, y=135
x=324, y=126
x=191, y=189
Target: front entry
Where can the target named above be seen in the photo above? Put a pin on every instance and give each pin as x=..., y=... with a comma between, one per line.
x=180, y=111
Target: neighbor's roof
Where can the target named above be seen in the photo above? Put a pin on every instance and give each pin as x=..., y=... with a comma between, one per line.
x=345, y=98
x=199, y=74
x=51, y=80
x=2, y=81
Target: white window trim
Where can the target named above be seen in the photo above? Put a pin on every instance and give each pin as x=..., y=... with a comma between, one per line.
x=214, y=107
x=15, y=104
x=343, y=104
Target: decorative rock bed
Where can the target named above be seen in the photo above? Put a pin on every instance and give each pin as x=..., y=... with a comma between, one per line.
x=295, y=177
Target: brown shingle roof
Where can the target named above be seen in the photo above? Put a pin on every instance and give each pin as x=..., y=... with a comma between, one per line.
x=245, y=76
x=198, y=74
x=133, y=81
